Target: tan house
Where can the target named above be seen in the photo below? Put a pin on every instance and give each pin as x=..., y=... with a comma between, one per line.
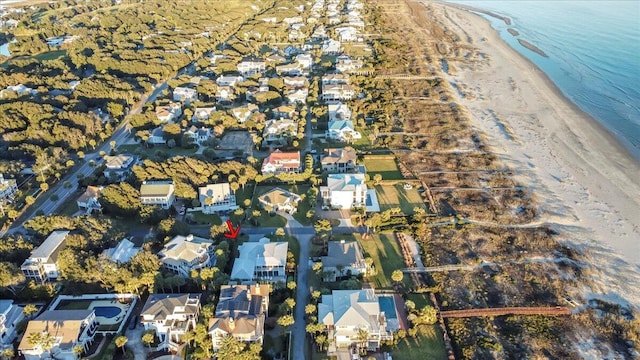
x=88, y=201
x=185, y=253
x=344, y=258
x=117, y=167
x=171, y=316
x=240, y=313
x=157, y=193
x=339, y=160
x=279, y=199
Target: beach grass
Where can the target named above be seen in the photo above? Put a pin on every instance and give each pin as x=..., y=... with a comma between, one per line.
x=383, y=165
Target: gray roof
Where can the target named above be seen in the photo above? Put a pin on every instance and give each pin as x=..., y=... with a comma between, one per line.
x=51, y=244
x=343, y=253
x=162, y=305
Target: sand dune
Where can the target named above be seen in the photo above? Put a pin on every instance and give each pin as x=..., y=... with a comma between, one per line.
x=586, y=183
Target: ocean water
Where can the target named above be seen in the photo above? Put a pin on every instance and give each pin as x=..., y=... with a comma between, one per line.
x=594, y=54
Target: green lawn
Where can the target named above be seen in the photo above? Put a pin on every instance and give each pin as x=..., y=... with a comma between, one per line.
x=387, y=257
x=391, y=196
x=427, y=344
x=74, y=304
x=421, y=300
x=200, y=218
x=383, y=165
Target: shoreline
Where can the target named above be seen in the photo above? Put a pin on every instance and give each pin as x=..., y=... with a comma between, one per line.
x=582, y=174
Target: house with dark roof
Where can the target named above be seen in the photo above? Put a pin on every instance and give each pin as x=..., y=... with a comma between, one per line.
x=344, y=258
x=171, y=316
x=240, y=313
x=339, y=160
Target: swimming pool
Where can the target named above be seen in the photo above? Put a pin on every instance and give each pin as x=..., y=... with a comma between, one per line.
x=387, y=304
x=107, y=311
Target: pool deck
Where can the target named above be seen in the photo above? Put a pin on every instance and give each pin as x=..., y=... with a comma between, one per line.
x=113, y=303
x=400, y=313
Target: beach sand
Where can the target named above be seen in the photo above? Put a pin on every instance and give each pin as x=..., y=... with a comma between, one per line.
x=585, y=183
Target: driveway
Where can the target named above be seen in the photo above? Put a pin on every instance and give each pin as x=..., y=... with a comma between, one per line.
x=134, y=342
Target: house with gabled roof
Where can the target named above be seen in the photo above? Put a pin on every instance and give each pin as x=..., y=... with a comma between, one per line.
x=305, y=61
x=331, y=47
x=251, y=65
x=156, y=137
x=171, y=316
x=157, y=193
x=227, y=80
x=118, y=167
x=88, y=201
x=284, y=111
x=297, y=96
x=8, y=189
x=344, y=191
x=185, y=253
x=185, y=94
x=335, y=92
x=66, y=329
x=342, y=130
x=345, y=312
x=292, y=69
x=335, y=79
x=276, y=131
x=42, y=265
x=338, y=111
x=10, y=316
x=202, y=114
x=344, y=258
x=340, y=160
x=244, y=112
x=240, y=313
x=216, y=197
x=169, y=112
x=123, y=252
x=279, y=199
x=282, y=162
x=296, y=81
x=261, y=261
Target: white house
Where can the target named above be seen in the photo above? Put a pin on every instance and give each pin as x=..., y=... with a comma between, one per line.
x=295, y=81
x=217, y=197
x=198, y=136
x=185, y=253
x=342, y=130
x=262, y=260
x=282, y=162
x=157, y=193
x=228, y=80
x=345, y=312
x=157, y=137
x=280, y=200
x=335, y=79
x=169, y=112
x=345, y=64
x=225, y=93
x=185, y=94
x=123, y=252
x=244, y=112
x=297, y=96
x=118, y=167
x=10, y=316
x=344, y=258
x=284, y=111
x=171, y=316
x=292, y=69
x=251, y=65
x=240, y=313
x=305, y=61
x=66, y=328
x=338, y=111
x=347, y=34
x=202, y=114
x=344, y=191
x=276, y=131
x=41, y=266
x=337, y=92
x=331, y=47
x=339, y=160
x=88, y=201
x=8, y=189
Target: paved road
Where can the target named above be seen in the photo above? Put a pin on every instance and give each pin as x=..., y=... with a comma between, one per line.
x=303, y=235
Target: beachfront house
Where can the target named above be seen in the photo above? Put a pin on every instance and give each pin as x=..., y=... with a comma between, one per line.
x=157, y=193
x=42, y=265
x=337, y=92
x=346, y=314
x=240, y=313
x=338, y=111
x=278, y=199
x=344, y=191
x=170, y=316
x=56, y=334
x=342, y=130
x=185, y=253
x=344, y=259
x=339, y=160
x=216, y=198
x=261, y=261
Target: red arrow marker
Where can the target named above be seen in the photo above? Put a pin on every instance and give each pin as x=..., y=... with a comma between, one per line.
x=233, y=233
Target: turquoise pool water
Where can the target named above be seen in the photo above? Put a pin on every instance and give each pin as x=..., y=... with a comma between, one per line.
x=387, y=304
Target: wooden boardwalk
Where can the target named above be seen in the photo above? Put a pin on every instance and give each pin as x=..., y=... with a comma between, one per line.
x=541, y=310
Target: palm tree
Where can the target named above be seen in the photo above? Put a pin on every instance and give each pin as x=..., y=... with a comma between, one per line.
x=121, y=341
x=148, y=339
x=363, y=336
x=78, y=350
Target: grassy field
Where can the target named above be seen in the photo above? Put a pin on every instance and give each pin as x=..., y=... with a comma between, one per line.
x=391, y=196
x=210, y=219
x=427, y=344
x=383, y=165
x=387, y=257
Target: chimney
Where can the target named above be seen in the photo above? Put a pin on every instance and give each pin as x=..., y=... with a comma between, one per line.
x=189, y=237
